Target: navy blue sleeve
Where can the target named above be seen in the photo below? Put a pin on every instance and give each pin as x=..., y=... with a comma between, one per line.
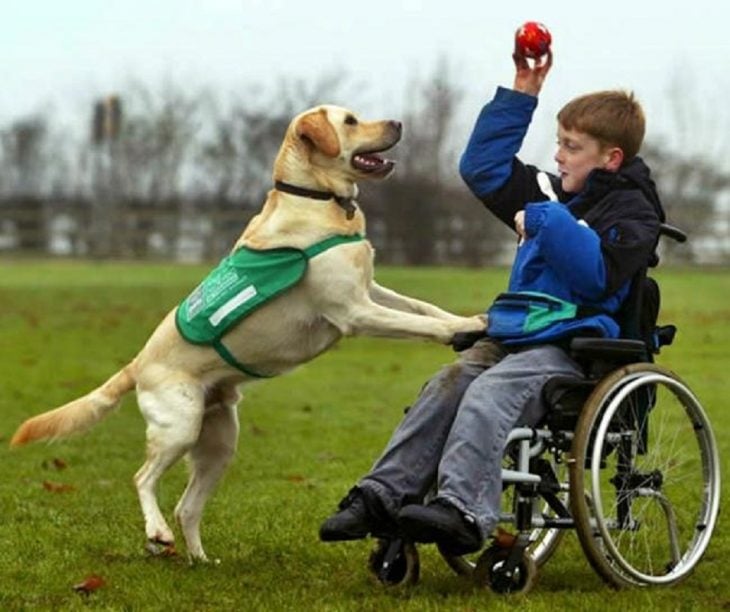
x=497, y=137
x=489, y=164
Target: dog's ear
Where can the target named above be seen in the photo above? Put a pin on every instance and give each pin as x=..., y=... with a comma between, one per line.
x=316, y=128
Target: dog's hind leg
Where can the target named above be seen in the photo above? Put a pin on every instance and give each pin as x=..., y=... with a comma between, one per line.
x=174, y=412
x=208, y=459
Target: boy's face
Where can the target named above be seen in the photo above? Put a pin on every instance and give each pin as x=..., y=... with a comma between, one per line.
x=578, y=154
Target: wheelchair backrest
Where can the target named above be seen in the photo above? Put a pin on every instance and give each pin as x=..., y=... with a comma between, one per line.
x=639, y=313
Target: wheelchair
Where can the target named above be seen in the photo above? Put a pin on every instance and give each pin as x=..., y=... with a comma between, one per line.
x=625, y=456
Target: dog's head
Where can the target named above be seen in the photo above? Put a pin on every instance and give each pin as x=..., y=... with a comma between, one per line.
x=328, y=146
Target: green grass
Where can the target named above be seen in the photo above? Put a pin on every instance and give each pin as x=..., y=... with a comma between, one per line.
x=306, y=437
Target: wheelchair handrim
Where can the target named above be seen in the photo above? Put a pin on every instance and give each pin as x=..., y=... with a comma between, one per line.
x=710, y=463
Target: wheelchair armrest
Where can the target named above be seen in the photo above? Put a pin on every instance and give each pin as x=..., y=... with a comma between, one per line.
x=564, y=397
x=567, y=392
x=608, y=350
x=557, y=386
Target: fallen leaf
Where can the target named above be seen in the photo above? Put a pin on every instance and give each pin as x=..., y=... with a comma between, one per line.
x=296, y=478
x=59, y=464
x=256, y=430
x=31, y=318
x=55, y=463
x=57, y=487
x=89, y=584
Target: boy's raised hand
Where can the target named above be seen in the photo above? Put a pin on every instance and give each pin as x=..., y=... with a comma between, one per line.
x=529, y=78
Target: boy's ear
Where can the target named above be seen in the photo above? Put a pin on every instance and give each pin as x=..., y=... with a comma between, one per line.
x=614, y=159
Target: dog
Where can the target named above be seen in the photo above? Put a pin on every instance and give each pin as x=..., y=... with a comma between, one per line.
x=188, y=391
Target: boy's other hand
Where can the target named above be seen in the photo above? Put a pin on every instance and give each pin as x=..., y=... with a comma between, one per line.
x=529, y=78
x=520, y=224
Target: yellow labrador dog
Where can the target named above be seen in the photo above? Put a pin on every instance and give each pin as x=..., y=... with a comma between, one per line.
x=187, y=390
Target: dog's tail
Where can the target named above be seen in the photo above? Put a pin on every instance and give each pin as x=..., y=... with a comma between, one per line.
x=79, y=414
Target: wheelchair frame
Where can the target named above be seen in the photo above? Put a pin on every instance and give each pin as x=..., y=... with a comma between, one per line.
x=650, y=505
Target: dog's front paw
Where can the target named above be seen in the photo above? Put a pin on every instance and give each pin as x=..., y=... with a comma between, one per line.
x=468, y=331
x=477, y=323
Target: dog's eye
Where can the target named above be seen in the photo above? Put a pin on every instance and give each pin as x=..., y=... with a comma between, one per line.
x=350, y=120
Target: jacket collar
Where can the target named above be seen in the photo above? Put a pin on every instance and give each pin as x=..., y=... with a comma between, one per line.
x=634, y=174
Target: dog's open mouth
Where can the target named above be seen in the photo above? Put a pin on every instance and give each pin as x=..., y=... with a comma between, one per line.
x=372, y=163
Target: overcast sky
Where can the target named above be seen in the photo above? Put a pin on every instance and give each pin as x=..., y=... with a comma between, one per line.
x=60, y=56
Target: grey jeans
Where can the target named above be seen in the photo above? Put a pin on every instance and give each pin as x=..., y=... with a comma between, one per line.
x=454, y=434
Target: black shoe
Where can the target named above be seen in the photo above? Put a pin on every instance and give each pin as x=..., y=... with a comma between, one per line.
x=443, y=523
x=361, y=513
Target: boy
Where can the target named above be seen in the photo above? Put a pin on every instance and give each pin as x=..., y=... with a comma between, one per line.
x=582, y=234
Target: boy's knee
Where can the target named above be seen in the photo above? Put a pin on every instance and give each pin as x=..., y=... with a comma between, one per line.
x=453, y=380
x=484, y=353
x=449, y=376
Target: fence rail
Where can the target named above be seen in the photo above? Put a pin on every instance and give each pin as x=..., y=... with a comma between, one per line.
x=449, y=228
x=197, y=231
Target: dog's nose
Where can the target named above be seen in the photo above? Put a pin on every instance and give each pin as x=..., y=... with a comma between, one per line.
x=397, y=126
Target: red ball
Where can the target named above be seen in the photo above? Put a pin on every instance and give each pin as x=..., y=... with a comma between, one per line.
x=533, y=39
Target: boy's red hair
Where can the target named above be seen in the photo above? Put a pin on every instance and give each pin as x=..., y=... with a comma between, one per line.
x=615, y=118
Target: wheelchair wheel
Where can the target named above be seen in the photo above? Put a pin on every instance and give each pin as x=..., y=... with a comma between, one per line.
x=491, y=571
x=395, y=563
x=644, y=478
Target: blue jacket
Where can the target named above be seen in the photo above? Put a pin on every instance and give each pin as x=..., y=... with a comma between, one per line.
x=583, y=248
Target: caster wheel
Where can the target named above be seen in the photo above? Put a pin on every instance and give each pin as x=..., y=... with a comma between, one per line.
x=395, y=563
x=543, y=543
x=491, y=571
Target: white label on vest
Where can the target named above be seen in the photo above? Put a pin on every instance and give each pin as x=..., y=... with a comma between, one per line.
x=241, y=297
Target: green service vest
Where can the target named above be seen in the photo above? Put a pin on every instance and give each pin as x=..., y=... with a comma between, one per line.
x=242, y=282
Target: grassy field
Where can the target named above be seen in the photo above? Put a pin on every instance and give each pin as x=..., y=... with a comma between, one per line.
x=69, y=510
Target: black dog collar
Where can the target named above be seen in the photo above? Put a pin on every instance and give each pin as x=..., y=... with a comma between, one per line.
x=346, y=203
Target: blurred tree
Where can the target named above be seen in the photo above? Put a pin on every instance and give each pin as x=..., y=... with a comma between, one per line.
x=691, y=166
x=689, y=188
x=144, y=166
x=155, y=144
x=25, y=163
x=428, y=213
x=25, y=157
